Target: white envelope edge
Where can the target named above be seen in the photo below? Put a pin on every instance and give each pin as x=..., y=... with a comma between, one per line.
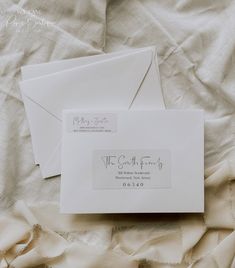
x=41, y=69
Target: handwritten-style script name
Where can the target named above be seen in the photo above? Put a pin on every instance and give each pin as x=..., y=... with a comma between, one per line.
x=86, y=122
x=122, y=161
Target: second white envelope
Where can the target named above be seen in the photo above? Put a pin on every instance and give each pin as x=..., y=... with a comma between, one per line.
x=129, y=81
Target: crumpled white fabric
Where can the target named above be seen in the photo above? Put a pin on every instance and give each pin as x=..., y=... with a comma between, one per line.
x=25, y=243
x=195, y=43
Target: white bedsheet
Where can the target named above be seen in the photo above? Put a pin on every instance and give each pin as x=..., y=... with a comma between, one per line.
x=195, y=41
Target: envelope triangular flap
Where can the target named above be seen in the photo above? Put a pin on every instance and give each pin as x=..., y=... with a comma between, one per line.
x=41, y=123
x=112, y=83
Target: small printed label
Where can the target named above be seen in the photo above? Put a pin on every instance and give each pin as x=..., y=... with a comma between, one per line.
x=92, y=122
x=131, y=169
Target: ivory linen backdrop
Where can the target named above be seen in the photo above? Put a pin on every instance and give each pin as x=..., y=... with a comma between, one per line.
x=195, y=41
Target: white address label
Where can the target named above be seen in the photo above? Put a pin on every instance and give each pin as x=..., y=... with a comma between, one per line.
x=131, y=169
x=92, y=122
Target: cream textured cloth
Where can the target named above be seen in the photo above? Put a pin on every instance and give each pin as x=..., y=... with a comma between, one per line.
x=195, y=41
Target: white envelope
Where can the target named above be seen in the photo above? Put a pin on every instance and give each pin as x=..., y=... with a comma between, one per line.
x=132, y=161
x=125, y=81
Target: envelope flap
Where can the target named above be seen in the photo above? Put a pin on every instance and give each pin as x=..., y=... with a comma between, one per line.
x=109, y=84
